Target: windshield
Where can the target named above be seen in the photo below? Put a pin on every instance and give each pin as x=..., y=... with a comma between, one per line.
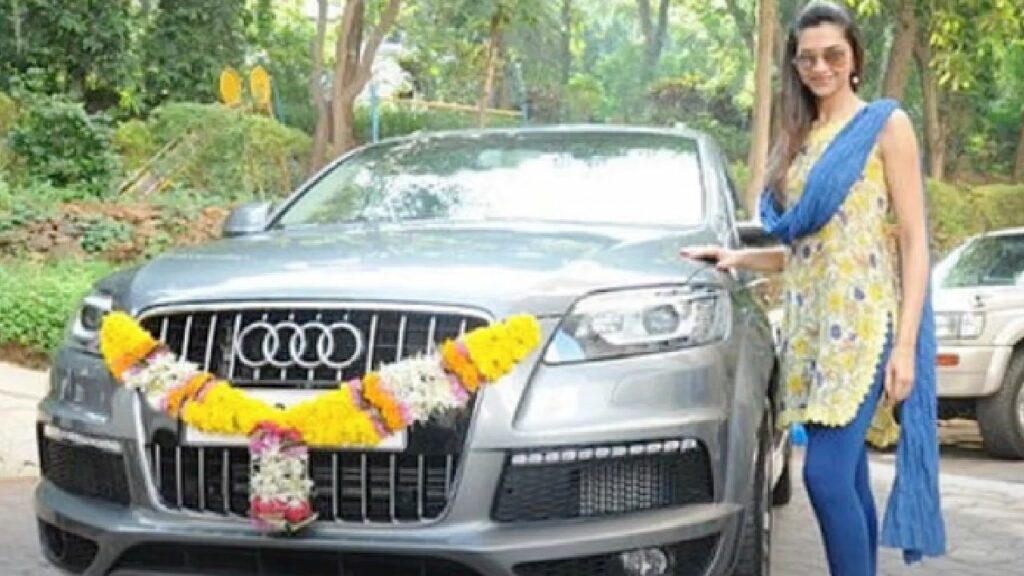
x=987, y=261
x=631, y=179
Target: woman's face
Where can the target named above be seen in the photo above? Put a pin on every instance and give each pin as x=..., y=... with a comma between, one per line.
x=824, y=59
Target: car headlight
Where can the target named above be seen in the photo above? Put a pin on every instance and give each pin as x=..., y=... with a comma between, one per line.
x=85, y=326
x=640, y=321
x=959, y=325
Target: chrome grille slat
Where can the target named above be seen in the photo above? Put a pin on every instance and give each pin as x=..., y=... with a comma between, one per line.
x=187, y=335
x=400, y=347
x=210, y=333
x=201, y=473
x=234, y=346
x=431, y=330
x=371, y=341
x=225, y=479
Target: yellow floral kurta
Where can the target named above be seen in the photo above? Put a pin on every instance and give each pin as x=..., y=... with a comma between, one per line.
x=840, y=299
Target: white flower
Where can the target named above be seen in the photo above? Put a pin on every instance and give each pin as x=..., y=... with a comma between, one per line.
x=157, y=376
x=421, y=384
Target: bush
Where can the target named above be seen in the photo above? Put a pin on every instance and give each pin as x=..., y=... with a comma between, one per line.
x=134, y=141
x=957, y=212
x=232, y=154
x=8, y=114
x=38, y=299
x=101, y=233
x=399, y=120
x=56, y=141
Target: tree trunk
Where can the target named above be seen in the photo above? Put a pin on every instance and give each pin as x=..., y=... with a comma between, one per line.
x=654, y=34
x=1018, y=165
x=354, y=67
x=901, y=52
x=743, y=26
x=933, y=132
x=316, y=91
x=566, y=47
x=491, y=66
x=762, y=102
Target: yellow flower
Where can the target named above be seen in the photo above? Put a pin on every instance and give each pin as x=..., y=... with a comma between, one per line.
x=795, y=384
x=123, y=343
x=835, y=302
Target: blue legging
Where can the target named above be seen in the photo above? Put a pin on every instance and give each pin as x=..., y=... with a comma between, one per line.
x=836, y=476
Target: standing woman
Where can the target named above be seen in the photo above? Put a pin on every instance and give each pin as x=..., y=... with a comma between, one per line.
x=845, y=195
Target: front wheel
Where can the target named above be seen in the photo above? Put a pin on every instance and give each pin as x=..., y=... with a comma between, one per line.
x=1001, y=416
x=756, y=539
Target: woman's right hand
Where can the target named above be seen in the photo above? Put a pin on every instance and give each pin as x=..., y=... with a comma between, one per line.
x=724, y=259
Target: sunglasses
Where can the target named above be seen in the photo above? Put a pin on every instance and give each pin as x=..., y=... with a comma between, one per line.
x=833, y=57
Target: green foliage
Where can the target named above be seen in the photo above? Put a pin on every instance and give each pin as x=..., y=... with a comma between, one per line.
x=187, y=46
x=82, y=47
x=399, y=120
x=958, y=212
x=57, y=142
x=230, y=154
x=290, y=65
x=102, y=233
x=134, y=142
x=38, y=299
x=8, y=114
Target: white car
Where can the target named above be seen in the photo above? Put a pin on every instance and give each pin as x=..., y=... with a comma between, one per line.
x=979, y=311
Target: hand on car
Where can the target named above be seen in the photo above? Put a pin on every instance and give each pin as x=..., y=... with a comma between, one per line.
x=724, y=259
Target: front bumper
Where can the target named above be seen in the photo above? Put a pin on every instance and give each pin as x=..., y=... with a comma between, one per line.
x=687, y=396
x=975, y=371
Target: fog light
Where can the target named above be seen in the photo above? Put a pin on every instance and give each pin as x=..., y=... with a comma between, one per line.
x=644, y=562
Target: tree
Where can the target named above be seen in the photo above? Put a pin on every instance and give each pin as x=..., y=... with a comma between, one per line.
x=187, y=46
x=766, y=21
x=654, y=33
x=352, y=71
x=901, y=52
x=82, y=48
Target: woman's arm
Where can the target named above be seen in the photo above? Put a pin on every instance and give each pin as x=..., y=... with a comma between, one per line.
x=906, y=188
x=756, y=259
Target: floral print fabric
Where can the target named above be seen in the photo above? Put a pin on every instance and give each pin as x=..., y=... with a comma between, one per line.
x=840, y=297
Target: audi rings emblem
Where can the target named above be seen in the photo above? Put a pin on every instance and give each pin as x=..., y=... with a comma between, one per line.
x=309, y=345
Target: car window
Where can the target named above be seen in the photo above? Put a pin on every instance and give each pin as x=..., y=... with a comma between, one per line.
x=628, y=178
x=986, y=261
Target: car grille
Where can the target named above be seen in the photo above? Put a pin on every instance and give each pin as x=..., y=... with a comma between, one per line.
x=82, y=470
x=589, y=481
x=271, y=561
x=688, y=558
x=349, y=486
x=235, y=342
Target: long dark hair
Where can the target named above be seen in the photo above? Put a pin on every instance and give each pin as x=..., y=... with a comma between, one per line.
x=799, y=104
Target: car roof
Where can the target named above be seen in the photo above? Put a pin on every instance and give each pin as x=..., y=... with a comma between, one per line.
x=609, y=129
x=1005, y=232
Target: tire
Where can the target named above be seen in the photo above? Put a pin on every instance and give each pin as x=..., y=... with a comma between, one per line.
x=755, y=538
x=1001, y=416
x=783, y=491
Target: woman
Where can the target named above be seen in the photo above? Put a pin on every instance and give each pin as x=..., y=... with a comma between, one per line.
x=845, y=194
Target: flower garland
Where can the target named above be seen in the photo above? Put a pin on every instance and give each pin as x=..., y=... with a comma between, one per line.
x=360, y=412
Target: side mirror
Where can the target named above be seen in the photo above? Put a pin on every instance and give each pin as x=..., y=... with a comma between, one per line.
x=752, y=235
x=246, y=219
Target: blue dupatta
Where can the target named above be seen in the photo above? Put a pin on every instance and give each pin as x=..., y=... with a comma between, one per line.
x=913, y=516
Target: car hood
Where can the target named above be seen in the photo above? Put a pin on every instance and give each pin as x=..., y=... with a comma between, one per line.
x=538, y=268
x=979, y=298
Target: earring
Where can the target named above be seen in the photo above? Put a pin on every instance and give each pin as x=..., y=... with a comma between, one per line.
x=855, y=79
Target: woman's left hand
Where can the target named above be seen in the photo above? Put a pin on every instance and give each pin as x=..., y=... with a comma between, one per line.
x=899, y=374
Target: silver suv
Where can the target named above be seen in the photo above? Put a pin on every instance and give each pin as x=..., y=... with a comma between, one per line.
x=979, y=310
x=639, y=441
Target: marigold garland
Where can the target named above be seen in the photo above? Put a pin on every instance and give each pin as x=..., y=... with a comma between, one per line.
x=360, y=412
